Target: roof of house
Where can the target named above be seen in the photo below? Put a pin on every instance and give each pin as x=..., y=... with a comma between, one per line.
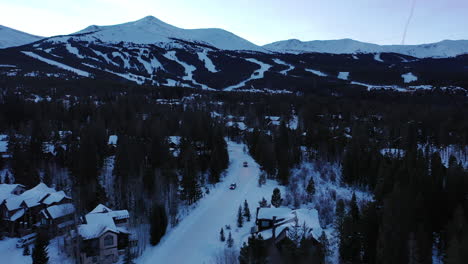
x=30, y=198
x=55, y=198
x=307, y=216
x=101, y=220
x=6, y=191
x=57, y=211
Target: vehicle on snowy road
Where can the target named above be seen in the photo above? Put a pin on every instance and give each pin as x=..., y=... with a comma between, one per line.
x=246, y=164
x=233, y=186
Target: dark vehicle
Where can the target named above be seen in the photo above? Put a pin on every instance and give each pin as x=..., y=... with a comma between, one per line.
x=246, y=164
x=233, y=186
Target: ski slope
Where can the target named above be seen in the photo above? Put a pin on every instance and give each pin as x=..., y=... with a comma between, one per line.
x=196, y=238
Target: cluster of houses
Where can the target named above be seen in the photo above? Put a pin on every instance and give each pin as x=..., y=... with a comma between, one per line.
x=98, y=237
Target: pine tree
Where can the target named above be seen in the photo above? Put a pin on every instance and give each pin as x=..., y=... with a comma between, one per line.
x=26, y=251
x=221, y=235
x=230, y=241
x=158, y=224
x=311, y=187
x=240, y=218
x=263, y=203
x=325, y=244
x=246, y=211
x=276, y=198
x=40, y=254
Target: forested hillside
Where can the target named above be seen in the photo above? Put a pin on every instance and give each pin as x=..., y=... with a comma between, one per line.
x=386, y=171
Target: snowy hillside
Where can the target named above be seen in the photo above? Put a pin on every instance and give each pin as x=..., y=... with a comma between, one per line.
x=11, y=38
x=151, y=30
x=446, y=48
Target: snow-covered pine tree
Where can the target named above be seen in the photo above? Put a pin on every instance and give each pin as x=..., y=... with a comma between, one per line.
x=311, y=187
x=221, y=235
x=240, y=218
x=246, y=211
x=276, y=198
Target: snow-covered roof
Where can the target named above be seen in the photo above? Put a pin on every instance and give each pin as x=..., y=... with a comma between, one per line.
x=3, y=143
x=240, y=125
x=308, y=216
x=30, y=198
x=6, y=191
x=101, y=220
x=272, y=118
x=55, y=197
x=280, y=213
x=112, y=140
x=392, y=152
x=17, y=215
x=174, y=140
x=57, y=211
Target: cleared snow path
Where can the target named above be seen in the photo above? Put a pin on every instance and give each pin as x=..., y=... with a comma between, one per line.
x=284, y=72
x=196, y=238
x=258, y=74
x=209, y=65
x=57, y=64
x=189, y=69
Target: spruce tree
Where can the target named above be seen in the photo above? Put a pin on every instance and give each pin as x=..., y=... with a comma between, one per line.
x=230, y=241
x=40, y=253
x=325, y=244
x=311, y=187
x=246, y=211
x=158, y=224
x=240, y=218
x=263, y=203
x=26, y=251
x=221, y=235
x=276, y=198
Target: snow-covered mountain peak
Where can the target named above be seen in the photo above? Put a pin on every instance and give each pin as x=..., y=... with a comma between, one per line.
x=11, y=37
x=446, y=48
x=151, y=30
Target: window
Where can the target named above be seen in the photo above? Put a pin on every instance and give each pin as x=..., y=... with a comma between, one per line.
x=108, y=240
x=265, y=223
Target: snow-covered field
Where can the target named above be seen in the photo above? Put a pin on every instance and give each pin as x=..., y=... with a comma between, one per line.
x=196, y=238
x=258, y=74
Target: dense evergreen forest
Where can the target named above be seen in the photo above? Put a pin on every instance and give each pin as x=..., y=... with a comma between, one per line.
x=172, y=147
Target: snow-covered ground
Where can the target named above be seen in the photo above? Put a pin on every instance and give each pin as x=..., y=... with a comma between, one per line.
x=409, y=77
x=189, y=69
x=343, y=75
x=209, y=65
x=196, y=238
x=318, y=73
x=10, y=254
x=57, y=64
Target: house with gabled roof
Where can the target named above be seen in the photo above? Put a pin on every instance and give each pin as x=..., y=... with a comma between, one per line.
x=21, y=213
x=103, y=234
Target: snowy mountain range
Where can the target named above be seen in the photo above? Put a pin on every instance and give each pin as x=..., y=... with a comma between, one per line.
x=11, y=38
x=151, y=52
x=443, y=49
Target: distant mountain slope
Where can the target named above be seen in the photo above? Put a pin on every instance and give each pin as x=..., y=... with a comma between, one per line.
x=11, y=37
x=151, y=30
x=446, y=48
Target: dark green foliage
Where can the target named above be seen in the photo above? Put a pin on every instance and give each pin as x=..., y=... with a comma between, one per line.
x=26, y=251
x=158, y=224
x=246, y=213
x=240, y=217
x=40, y=253
x=221, y=235
x=263, y=202
x=276, y=199
x=254, y=251
x=311, y=187
x=230, y=240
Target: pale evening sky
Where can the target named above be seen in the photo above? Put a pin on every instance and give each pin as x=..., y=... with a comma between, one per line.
x=259, y=21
